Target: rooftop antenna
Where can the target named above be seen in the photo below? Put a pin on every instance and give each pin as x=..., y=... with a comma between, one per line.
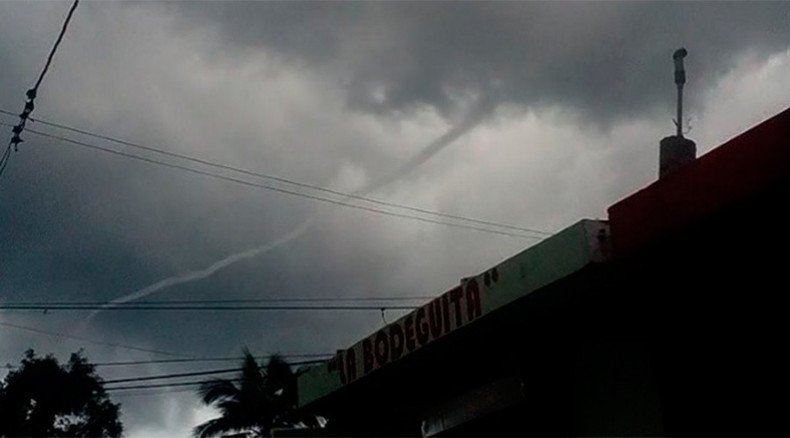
x=680, y=80
x=676, y=151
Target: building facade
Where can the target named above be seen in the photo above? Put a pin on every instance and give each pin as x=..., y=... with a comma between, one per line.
x=669, y=318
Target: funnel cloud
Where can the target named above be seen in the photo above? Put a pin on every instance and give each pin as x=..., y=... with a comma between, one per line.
x=480, y=109
x=534, y=114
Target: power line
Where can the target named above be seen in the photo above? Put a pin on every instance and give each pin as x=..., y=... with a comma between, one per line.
x=281, y=179
x=90, y=341
x=182, y=357
x=276, y=189
x=203, y=308
x=207, y=359
x=31, y=95
x=225, y=301
x=321, y=356
x=152, y=393
x=57, y=43
x=162, y=385
x=173, y=376
x=4, y=159
x=181, y=375
x=273, y=188
x=195, y=373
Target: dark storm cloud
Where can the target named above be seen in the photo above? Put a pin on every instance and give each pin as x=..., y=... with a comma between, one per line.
x=79, y=225
x=607, y=60
x=85, y=226
x=263, y=86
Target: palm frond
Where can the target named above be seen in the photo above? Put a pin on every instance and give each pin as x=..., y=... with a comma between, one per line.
x=217, y=389
x=251, y=375
x=262, y=398
x=213, y=428
x=281, y=382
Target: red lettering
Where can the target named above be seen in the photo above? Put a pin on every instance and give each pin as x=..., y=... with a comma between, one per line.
x=396, y=341
x=473, y=308
x=382, y=348
x=367, y=355
x=455, y=298
x=409, y=328
x=435, y=317
x=421, y=326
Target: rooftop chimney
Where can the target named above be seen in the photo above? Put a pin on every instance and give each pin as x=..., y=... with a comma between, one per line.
x=675, y=151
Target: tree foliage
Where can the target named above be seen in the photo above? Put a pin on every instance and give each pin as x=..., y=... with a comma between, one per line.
x=44, y=398
x=259, y=399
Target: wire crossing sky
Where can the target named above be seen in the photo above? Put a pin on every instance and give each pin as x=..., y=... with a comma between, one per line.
x=172, y=308
x=233, y=301
x=290, y=192
x=474, y=117
x=88, y=340
x=537, y=114
x=285, y=180
x=31, y=94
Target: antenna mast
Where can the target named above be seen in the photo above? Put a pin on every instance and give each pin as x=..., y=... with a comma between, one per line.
x=676, y=151
x=680, y=80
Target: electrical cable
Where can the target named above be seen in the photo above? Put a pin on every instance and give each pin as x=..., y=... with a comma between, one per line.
x=225, y=301
x=180, y=375
x=183, y=357
x=163, y=385
x=322, y=356
x=57, y=43
x=90, y=341
x=275, y=189
x=173, y=376
x=152, y=393
x=4, y=159
x=206, y=359
x=31, y=94
x=280, y=179
x=202, y=308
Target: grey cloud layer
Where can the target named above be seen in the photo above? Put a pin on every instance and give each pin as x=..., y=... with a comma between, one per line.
x=267, y=86
x=607, y=60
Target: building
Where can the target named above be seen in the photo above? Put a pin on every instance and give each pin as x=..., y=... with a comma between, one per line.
x=670, y=318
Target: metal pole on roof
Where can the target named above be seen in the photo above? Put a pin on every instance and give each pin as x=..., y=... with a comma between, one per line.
x=676, y=151
x=680, y=80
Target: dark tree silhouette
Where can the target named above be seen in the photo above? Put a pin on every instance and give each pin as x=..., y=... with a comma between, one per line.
x=45, y=398
x=252, y=404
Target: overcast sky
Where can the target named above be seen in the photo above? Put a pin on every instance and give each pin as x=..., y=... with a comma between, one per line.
x=529, y=114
